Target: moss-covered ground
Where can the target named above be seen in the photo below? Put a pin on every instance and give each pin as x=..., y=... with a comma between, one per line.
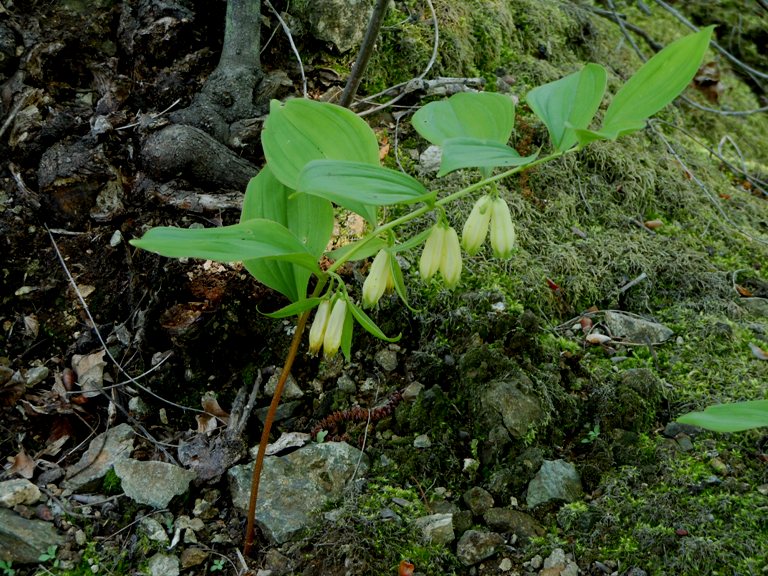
x=655, y=502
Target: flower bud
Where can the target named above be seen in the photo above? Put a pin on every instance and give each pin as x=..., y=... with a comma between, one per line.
x=335, y=328
x=476, y=227
x=317, y=331
x=379, y=277
x=431, y=255
x=450, y=259
x=502, y=229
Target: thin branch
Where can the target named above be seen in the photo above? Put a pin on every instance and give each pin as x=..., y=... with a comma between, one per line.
x=293, y=47
x=432, y=60
x=364, y=55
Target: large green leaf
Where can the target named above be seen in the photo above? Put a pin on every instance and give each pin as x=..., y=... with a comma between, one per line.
x=656, y=83
x=360, y=187
x=734, y=417
x=256, y=238
x=569, y=103
x=476, y=153
x=484, y=115
x=309, y=218
x=299, y=131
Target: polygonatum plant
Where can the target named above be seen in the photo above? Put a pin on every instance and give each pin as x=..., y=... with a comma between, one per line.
x=319, y=155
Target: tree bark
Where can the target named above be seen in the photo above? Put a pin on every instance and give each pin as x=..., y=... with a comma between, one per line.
x=194, y=146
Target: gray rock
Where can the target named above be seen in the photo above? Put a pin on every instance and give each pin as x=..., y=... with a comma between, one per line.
x=387, y=359
x=429, y=160
x=36, y=375
x=294, y=486
x=152, y=483
x=636, y=329
x=436, y=528
x=193, y=557
x=555, y=480
x=516, y=522
x=412, y=391
x=22, y=540
x=341, y=22
x=291, y=390
x=756, y=306
x=507, y=409
x=478, y=500
x=422, y=441
x=475, y=546
x=107, y=448
x=153, y=529
x=163, y=565
x=18, y=491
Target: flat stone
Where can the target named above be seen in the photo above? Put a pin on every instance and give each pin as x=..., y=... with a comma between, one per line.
x=193, y=557
x=436, y=528
x=153, y=529
x=475, y=546
x=152, y=483
x=107, y=448
x=387, y=359
x=18, y=491
x=478, y=500
x=636, y=329
x=22, y=541
x=164, y=565
x=291, y=390
x=555, y=480
x=422, y=441
x=294, y=486
x=504, y=520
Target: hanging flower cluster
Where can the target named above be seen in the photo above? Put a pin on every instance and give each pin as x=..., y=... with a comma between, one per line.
x=489, y=212
x=442, y=253
x=328, y=327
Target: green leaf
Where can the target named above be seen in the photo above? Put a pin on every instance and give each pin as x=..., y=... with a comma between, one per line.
x=399, y=281
x=484, y=115
x=257, y=238
x=475, y=153
x=412, y=242
x=569, y=103
x=346, y=333
x=734, y=417
x=299, y=131
x=295, y=309
x=369, y=325
x=309, y=218
x=656, y=83
x=359, y=187
x=362, y=249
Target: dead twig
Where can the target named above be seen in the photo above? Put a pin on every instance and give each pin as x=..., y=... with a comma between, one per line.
x=293, y=47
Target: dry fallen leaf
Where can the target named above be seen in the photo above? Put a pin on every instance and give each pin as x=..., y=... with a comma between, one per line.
x=745, y=292
x=23, y=465
x=90, y=372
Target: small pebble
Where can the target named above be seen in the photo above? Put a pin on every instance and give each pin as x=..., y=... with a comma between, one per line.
x=422, y=441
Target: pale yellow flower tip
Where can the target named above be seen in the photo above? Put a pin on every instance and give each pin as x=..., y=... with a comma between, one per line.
x=335, y=328
x=476, y=227
x=317, y=331
x=431, y=255
x=450, y=261
x=502, y=229
x=379, y=278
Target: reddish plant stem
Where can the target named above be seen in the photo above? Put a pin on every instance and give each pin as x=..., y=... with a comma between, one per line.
x=259, y=464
